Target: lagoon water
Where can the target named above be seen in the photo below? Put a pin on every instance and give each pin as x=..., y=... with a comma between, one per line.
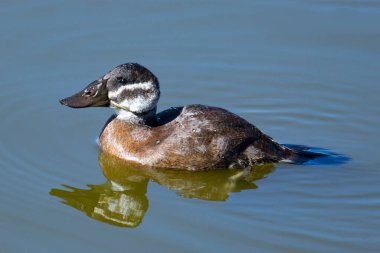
x=304, y=72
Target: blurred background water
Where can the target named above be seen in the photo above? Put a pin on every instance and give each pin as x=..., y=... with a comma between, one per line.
x=304, y=72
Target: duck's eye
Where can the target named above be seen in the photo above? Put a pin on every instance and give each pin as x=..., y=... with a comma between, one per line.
x=122, y=80
x=89, y=93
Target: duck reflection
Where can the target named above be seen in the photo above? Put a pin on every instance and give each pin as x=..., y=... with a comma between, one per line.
x=122, y=199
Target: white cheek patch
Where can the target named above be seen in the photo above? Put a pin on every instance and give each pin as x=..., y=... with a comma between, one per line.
x=142, y=86
x=140, y=104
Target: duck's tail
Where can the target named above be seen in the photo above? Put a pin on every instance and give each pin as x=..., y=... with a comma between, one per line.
x=314, y=156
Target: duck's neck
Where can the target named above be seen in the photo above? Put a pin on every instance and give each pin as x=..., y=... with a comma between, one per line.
x=145, y=118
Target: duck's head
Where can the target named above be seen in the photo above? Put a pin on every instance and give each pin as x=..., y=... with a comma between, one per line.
x=131, y=89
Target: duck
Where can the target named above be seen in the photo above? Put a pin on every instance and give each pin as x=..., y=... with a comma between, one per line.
x=192, y=137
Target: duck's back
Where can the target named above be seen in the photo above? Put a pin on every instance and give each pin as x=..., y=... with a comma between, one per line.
x=194, y=137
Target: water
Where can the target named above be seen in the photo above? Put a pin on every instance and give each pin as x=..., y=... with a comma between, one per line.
x=305, y=72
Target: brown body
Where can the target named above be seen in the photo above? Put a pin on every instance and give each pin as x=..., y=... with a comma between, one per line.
x=194, y=137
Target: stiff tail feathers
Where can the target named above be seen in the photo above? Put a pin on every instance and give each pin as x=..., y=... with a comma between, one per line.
x=314, y=156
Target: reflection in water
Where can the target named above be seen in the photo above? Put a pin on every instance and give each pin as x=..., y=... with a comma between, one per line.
x=122, y=200
x=108, y=202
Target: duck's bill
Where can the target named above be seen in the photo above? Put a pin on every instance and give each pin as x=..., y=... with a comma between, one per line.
x=94, y=95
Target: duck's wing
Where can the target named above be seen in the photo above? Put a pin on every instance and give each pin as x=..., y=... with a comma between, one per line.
x=231, y=136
